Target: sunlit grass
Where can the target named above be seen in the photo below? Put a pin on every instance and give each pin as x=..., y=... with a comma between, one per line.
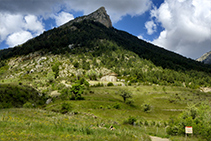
x=91, y=118
x=34, y=124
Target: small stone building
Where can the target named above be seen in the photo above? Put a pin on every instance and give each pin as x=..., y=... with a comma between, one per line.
x=111, y=77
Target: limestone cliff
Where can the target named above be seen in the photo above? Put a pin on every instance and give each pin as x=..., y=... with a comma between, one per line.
x=206, y=58
x=99, y=15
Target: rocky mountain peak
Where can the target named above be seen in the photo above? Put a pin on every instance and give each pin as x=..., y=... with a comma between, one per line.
x=100, y=15
x=206, y=58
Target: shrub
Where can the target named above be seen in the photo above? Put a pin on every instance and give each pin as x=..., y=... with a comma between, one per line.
x=130, y=102
x=146, y=107
x=76, y=64
x=66, y=107
x=110, y=84
x=82, y=81
x=98, y=84
x=131, y=120
x=153, y=123
x=125, y=94
x=50, y=77
x=108, y=107
x=27, y=105
x=55, y=69
x=12, y=95
x=197, y=117
x=77, y=91
x=101, y=107
x=117, y=106
x=146, y=123
x=65, y=94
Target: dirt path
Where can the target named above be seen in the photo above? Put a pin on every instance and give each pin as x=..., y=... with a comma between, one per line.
x=158, y=139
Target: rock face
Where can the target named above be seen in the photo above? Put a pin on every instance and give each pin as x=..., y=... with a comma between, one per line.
x=108, y=78
x=206, y=58
x=112, y=77
x=99, y=15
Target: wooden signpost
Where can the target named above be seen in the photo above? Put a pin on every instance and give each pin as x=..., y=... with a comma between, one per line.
x=188, y=130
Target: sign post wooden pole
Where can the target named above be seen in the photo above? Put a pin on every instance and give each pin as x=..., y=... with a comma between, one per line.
x=188, y=130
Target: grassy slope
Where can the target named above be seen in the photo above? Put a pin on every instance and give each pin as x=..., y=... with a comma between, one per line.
x=13, y=95
x=97, y=111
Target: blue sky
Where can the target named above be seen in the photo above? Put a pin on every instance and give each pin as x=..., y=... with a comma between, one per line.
x=182, y=26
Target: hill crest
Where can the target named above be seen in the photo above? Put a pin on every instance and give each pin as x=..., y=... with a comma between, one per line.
x=206, y=58
x=100, y=15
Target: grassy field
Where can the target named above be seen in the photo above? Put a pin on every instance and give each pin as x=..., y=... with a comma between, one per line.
x=90, y=119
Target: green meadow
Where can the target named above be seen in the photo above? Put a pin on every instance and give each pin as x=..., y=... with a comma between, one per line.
x=146, y=113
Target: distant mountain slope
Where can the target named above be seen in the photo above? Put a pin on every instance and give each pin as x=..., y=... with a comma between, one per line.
x=206, y=58
x=83, y=32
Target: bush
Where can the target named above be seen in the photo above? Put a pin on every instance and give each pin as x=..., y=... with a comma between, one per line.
x=131, y=120
x=65, y=94
x=99, y=85
x=12, y=95
x=125, y=94
x=51, y=77
x=101, y=107
x=27, y=105
x=55, y=69
x=77, y=90
x=146, y=107
x=130, y=102
x=66, y=107
x=146, y=123
x=110, y=84
x=197, y=117
x=76, y=64
x=117, y=106
x=82, y=81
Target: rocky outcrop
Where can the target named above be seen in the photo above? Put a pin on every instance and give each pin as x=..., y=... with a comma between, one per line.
x=206, y=58
x=108, y=78
x=112, y=77
x=99, y=15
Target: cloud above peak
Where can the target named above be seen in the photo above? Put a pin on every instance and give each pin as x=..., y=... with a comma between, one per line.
x=62, y=18
x=116, y=9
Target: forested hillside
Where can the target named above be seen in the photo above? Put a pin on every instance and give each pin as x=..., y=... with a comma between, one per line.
x=155, y=91
x=83, y=34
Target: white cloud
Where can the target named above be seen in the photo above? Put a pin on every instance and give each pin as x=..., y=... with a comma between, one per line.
x=140, y=37
x=15, y=25
x=116, y=9
x=9, y=24
x=62, y=18
x=187, y=28
x=32, y=23
x=18, y=38
x=151, y=27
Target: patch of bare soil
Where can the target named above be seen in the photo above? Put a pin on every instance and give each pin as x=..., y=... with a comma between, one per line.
x=158, y=139
x=205, y=89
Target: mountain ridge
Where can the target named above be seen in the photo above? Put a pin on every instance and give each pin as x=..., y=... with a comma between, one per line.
x=205, y=58
x=83, y=31
x=100, y=15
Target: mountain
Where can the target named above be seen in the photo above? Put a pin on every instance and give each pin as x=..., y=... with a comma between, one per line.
x=58, y=76
x=206, y=58
x=99, y=15
x=84, y=32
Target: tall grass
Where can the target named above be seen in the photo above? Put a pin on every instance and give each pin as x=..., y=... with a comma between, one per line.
x=45, y=125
